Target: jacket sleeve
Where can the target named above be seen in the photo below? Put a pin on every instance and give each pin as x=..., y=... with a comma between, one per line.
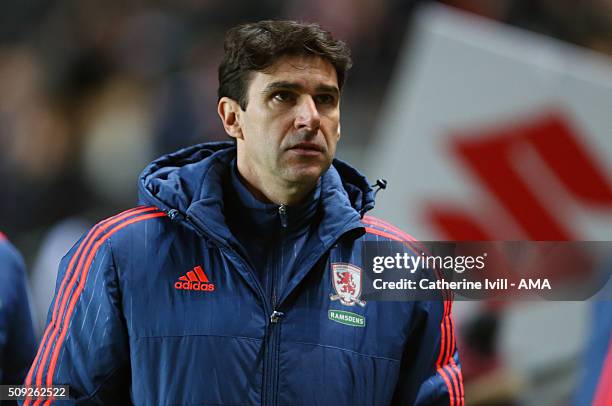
x=85, y=343
x=20, y=342
x=430, y=371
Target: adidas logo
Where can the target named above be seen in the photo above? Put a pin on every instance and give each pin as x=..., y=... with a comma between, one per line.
x=195, y=279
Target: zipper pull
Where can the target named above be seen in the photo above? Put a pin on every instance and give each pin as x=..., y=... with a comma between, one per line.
x=275, y=316
x=282, y=212
x=174, y=215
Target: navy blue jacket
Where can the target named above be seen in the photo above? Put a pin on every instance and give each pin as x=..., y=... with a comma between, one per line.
x=162, y=305
x=17, y=342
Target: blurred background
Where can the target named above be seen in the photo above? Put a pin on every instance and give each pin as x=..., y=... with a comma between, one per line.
x=490, y=119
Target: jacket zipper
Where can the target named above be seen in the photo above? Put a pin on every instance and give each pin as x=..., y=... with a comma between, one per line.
x=273, y=330
x=269, y=390
x=271, y=372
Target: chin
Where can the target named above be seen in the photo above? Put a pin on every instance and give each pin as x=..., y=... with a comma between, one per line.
x=305, y=175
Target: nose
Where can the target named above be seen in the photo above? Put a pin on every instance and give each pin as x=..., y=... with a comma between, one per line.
x=307, y=117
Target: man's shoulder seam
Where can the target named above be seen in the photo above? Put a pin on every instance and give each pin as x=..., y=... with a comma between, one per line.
x=383, y=228
x=127, y=218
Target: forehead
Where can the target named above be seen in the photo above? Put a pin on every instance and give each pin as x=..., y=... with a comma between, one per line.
x=307, y=71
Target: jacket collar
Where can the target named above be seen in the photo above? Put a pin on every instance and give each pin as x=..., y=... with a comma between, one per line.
x=260, y=217
x=190, y=182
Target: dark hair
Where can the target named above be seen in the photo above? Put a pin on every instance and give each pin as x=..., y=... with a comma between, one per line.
x=255, y=46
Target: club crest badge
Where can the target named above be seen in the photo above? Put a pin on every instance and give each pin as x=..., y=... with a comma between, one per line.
x=347, y=284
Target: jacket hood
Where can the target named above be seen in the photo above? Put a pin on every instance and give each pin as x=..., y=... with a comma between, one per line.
x=191, y=175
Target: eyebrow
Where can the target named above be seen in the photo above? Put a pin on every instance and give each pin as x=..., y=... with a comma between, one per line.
x=284, y=85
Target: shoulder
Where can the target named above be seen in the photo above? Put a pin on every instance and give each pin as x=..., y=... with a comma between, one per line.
x=136, y=224
x=96, y=250
x=377, y=228
x=127, y=224
x=380, y=230
x=10, y=259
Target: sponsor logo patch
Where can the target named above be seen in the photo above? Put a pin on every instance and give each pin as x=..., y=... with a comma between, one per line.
x=348, y=318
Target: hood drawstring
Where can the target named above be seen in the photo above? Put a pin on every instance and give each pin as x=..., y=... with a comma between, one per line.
x=380, y=184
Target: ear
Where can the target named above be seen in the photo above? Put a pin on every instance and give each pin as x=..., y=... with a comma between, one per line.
x=229, y=112
x=339, y=132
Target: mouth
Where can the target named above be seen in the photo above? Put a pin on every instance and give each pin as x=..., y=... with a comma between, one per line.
x=307, y=148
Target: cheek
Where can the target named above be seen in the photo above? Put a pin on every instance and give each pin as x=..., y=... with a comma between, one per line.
x=332, y=132
x=271, y=125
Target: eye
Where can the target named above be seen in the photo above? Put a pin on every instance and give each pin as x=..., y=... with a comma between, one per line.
x=325, y=99
x=283, y=96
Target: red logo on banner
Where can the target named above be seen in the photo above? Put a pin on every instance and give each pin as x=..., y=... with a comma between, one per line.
x=525, y=168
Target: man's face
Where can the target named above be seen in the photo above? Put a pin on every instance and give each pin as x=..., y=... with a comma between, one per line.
x=291, y=124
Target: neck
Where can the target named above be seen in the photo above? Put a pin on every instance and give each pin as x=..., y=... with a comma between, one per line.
x=274, y=190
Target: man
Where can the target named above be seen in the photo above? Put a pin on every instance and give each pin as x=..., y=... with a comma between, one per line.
x=220, y=289
x=17, y=342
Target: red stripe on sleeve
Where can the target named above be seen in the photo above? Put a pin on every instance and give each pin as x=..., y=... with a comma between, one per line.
x=460, y=379
x=442, y=345
x=52, y=329
x=454, y=342
x=381, y=223
x=446, y=366
x=446, y=294
x=449, y=362
x=392, y=237
x=456, y=391
x=66, y=320
x=60, y=293
x=406, y=239
x=451, y=374
x=449, y=341
x=449, y=385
